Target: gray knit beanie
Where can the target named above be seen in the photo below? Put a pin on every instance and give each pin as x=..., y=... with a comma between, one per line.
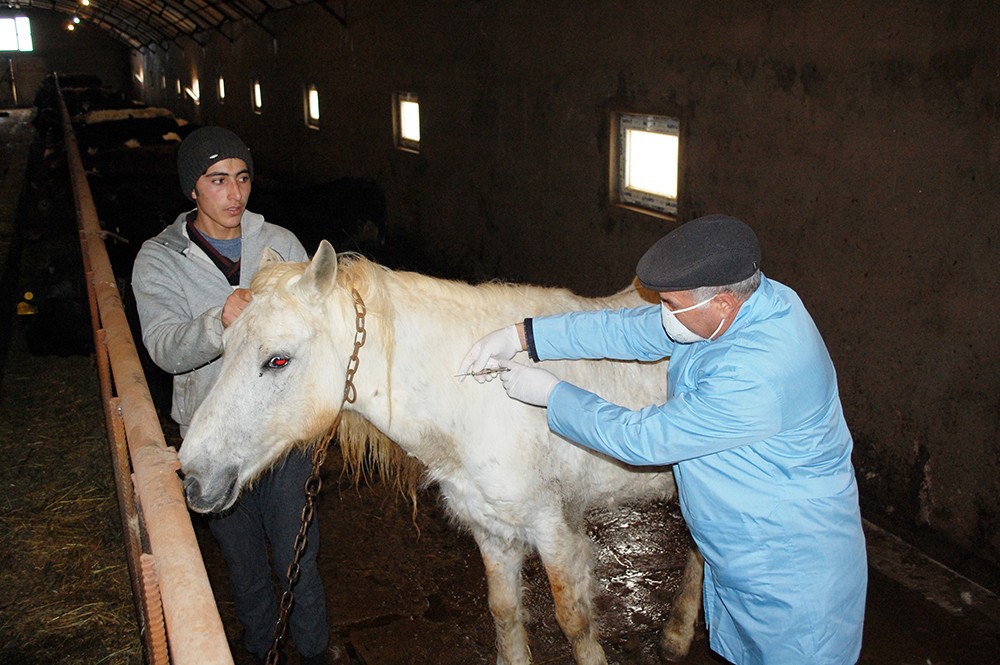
x=204, y=147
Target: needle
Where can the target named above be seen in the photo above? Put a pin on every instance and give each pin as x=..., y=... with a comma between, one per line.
x=484, y=372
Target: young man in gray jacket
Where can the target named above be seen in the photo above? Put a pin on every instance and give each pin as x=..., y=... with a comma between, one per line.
x=191, y=282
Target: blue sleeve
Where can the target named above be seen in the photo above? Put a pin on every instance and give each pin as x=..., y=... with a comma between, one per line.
x=724, y=411
x=626, y=334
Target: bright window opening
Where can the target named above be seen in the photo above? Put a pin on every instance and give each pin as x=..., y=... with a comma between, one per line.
x=258, y=99
x=409, y=125
x=222, y=90
x=648, y=152
x=407, y=120
x=15, y=34
x=194, y=92
x=312, y=107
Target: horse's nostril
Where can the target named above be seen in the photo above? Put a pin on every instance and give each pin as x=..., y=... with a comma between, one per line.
x=192, y=489
x=213, y=493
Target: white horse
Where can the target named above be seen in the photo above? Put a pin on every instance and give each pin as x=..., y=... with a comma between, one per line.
x=501, y=471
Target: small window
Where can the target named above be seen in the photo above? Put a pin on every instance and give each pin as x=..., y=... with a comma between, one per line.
x=163, y=82
x=257, y=100
x=647, y=152
x=312, y=107
x=15, y=34
x=406, y=116
x=177, y=85
x=222, y=90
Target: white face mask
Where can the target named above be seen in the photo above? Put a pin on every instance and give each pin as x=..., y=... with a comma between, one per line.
x=679, y=332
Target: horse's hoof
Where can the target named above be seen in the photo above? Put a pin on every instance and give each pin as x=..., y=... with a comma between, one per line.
x=673, y=648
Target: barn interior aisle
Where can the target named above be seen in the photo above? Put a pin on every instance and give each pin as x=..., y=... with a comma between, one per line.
x=64, y=588
x=401, y=590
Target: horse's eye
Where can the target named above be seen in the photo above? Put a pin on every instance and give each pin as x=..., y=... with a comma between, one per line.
x=277, y=362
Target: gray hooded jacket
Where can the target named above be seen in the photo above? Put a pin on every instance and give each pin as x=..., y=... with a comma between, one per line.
x=179, y=293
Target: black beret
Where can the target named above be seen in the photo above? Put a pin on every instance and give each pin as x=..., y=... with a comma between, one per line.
x=204, y=147
x=715, y=250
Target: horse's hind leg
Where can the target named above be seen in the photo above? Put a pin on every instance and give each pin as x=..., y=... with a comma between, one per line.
x=568, y=563
x=678, y=632
x=503, y=561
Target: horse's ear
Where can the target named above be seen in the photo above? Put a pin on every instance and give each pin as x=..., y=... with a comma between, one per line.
x=321, y=274
x=268, y=257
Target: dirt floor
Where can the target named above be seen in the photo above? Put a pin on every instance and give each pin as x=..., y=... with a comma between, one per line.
x=395, y=596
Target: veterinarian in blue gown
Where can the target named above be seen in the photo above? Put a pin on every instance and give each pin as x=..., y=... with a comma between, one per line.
x=190, y=282
x=753, y=426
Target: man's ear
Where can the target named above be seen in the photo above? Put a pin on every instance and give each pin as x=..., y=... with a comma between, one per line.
x=728, y=302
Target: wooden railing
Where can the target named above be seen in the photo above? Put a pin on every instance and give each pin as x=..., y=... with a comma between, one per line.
x=180, y=620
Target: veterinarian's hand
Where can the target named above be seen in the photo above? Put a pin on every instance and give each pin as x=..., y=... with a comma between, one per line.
x=235, y=303
x=531, y=385
x=502, y=344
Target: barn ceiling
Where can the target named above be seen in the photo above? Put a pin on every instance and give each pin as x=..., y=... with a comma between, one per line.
x=141, y=23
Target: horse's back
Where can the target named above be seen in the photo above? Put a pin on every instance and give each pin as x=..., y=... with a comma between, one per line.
x=503, y=452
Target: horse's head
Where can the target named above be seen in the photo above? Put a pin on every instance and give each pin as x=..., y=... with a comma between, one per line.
x=281, y=379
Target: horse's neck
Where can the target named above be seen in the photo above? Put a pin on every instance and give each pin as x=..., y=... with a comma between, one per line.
x=400, y=362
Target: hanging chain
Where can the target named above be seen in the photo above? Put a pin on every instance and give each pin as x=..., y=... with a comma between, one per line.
x=315, y=483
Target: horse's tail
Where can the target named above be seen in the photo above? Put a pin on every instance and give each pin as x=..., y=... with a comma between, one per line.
x=367, y=452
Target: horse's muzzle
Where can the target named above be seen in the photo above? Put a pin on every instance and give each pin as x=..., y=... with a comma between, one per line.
x=214, y=496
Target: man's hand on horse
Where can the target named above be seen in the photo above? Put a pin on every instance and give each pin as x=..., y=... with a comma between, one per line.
x=502, y=344
x=531, y=385
x=235, y=303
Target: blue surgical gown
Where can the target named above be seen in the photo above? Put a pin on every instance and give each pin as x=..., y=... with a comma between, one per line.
x=762, y=457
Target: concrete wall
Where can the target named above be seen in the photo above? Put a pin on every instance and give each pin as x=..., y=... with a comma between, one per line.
x=860, y=139
x=85, y=50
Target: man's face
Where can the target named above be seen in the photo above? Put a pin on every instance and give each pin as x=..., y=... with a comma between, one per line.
x=221, y=195
x=702, y=320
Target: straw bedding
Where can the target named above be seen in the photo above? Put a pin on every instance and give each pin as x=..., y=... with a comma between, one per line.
x=65, y=595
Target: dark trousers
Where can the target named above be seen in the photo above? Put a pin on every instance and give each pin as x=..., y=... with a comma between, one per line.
x=272, y=509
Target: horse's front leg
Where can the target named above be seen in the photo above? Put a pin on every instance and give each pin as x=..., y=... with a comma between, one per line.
x=566, y=555
x=503, y=561
x=678, y=632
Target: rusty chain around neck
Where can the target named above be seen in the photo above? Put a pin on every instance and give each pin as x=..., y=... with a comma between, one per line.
x=315, y=483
